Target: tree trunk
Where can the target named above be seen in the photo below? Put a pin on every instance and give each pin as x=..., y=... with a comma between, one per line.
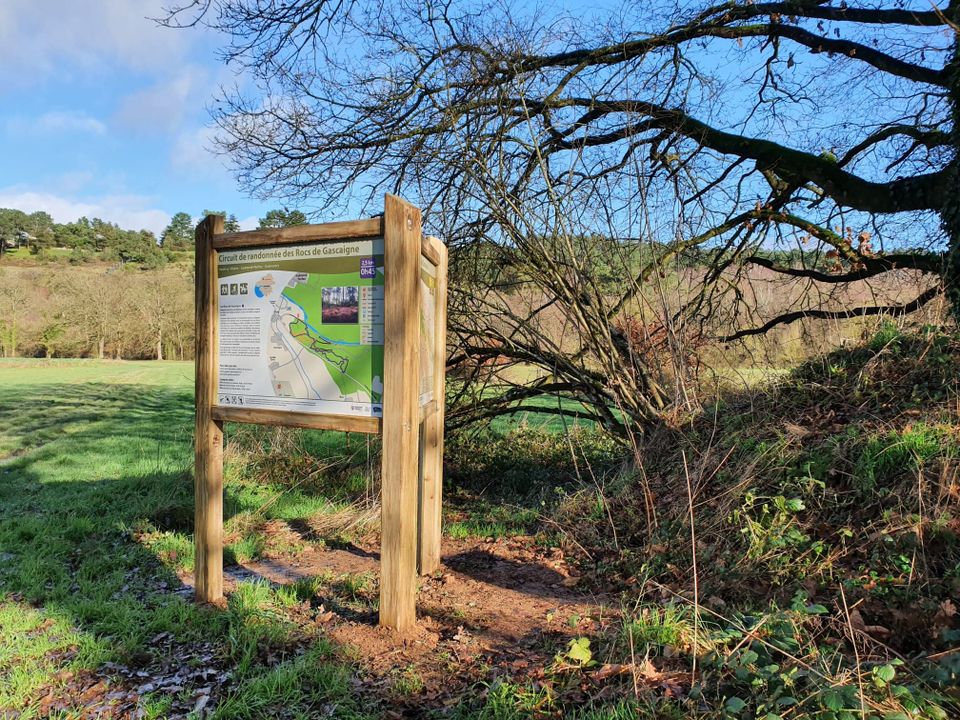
x=101, y=343
x=950, y=213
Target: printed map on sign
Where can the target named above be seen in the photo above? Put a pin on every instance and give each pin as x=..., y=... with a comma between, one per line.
x=301, y=328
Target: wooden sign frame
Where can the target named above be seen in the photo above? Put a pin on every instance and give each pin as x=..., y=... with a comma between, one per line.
x=412, y=448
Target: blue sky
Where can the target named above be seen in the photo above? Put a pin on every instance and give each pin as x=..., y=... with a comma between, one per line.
x=103, y=113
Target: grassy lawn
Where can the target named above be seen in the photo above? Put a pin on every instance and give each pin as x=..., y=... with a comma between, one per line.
x=96, y=506
x=94, y=480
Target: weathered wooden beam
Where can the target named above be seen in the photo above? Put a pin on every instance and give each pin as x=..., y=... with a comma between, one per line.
x=346, y=230
x=208, y=438
x=432, y=249
x=431, y=491
x=399, y=511
x=286, y=418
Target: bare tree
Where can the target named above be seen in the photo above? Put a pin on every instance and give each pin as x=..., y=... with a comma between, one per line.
x=14, y=301
x=718, y=132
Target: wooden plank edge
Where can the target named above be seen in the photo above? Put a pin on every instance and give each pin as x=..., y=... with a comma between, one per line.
x=208, y=437
x=399, y=460
x=430, y=248
x=431, y=512
x=309, y=421
x=344, y=230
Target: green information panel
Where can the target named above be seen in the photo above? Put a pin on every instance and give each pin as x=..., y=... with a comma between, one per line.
x=301, y=328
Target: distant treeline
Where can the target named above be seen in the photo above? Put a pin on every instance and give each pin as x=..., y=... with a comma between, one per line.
x=134, y=307
x=116, y=297
x=103, y=311
x=609, y=258
x=87, y=240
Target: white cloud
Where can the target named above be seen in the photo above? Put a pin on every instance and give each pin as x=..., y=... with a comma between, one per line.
x=74, y=36
x=131, y=212
x=56, y=122
x=195, y=149
x=73, y=181
x=162, y=107
x=250, y=223
x=70, y=121
x=194, y=155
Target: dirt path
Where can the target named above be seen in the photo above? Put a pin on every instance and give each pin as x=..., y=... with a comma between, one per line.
x=495, y=607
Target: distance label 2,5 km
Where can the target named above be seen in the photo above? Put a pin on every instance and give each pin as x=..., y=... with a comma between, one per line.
x=301, y=328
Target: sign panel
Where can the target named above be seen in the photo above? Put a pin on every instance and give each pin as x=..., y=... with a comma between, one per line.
x=301, y=327
x=428, y=328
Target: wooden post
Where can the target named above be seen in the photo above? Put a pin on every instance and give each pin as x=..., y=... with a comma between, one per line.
x=432, y=469
x=208, y=439
x=399, y=461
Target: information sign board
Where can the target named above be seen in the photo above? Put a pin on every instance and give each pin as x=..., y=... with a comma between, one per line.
x=337, y=326
x=301, y=327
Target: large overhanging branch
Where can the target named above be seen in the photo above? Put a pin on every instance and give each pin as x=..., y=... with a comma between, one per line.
x=820, y=10
x=920, y=192
x=818, y=314
x=868, y=267
x=720, y=24
x=903, y=194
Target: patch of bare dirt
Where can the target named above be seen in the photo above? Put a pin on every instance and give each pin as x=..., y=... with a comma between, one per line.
x=503, y=606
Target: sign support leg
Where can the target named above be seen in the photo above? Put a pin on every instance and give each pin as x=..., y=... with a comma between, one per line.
x=398, y=552
x=208, y=439
x=432, y=470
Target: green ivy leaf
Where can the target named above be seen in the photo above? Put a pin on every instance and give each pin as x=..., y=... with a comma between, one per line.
x=884, y=673
x=735, y=704
x=579, y=650
x=748, y=657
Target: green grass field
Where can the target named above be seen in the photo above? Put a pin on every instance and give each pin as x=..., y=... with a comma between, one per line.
x=96, y=506
x=95, y=509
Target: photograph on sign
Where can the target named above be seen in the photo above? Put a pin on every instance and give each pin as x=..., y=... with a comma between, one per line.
x=301, y=328
x=428, y=328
